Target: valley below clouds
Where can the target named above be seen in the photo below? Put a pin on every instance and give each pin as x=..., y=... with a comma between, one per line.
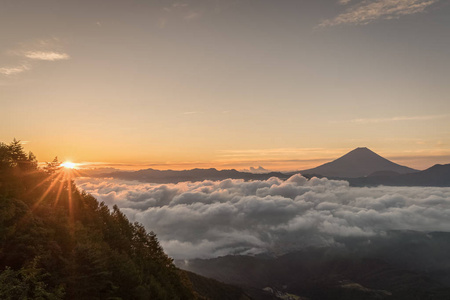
x=215, y=218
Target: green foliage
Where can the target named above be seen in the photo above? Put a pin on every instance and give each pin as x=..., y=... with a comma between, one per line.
x=12, y=155
x=59, y=243
x=27, y=283
x=53, y=166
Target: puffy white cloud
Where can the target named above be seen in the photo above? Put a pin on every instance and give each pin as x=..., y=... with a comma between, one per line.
x=209, y=219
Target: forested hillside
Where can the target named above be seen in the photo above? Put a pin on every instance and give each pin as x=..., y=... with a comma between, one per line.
x=60, y=243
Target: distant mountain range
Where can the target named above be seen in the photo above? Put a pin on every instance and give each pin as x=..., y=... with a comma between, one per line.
x=359, y=162
x=437, y=175
x=170, y=176
x=360, y=167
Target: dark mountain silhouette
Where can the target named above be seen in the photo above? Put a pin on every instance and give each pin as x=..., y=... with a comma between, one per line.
x=96, y=171
x=359, y=162
x=437, y=175
x=170, y=176
x=383, y=173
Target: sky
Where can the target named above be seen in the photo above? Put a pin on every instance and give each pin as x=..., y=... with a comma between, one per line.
x=285, y=84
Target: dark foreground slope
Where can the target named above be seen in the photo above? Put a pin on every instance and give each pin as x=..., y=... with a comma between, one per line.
x=215, y=290
x=359, y=162
x=58, y=243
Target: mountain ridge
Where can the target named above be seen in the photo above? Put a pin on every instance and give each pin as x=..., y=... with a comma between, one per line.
x=379, y=171
x=171, y=176
x=437, y=175
x=359, y=162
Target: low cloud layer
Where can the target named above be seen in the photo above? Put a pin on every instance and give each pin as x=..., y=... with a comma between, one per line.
x=209, y=219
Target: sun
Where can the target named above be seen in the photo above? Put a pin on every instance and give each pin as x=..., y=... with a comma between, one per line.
x=69, y=165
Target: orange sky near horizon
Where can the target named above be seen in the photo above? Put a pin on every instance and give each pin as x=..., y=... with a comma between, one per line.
x=270, y=159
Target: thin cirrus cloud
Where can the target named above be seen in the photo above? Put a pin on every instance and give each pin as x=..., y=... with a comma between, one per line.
x=190, y=112
x=281, y=152
x=396, y=119
x=29, y=57
x=183, y=10
x=8, y=71
x=46, y=55
x=192, y=15
x=215, y=218
x=366, y=11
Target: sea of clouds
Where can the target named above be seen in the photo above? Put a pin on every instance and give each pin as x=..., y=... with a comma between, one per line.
x=214, y=218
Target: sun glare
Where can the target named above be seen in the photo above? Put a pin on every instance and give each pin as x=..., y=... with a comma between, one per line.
x=68, y=165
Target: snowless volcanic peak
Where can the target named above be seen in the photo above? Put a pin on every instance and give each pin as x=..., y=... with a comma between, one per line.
x=359, y=162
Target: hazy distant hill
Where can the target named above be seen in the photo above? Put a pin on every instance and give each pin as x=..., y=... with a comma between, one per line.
x=170, y=176
x=359, y=162
x=437, y=175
